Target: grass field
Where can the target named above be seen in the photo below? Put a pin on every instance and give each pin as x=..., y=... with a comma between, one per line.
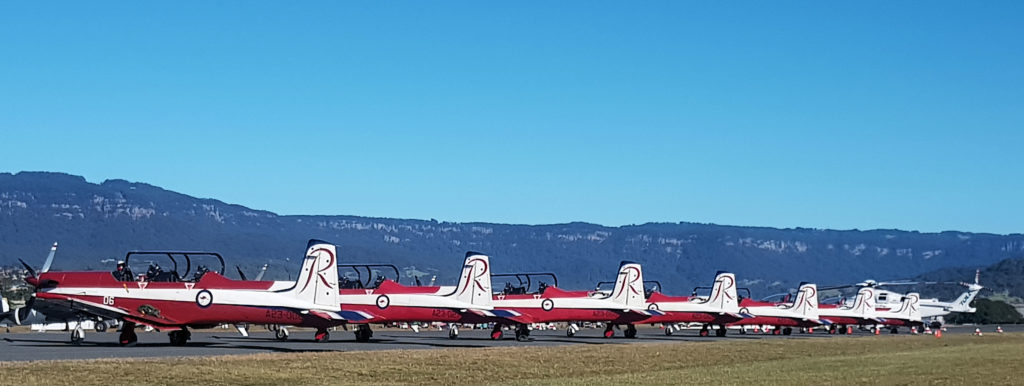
x=954, y=359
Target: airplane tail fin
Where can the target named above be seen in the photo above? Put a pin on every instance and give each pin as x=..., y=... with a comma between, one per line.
x=864, y=303
x=629, y=286
x=963, y=303
x=475, y=281
x=318, y=279
x=806, y=302
x=909, y=307
x=723, y=292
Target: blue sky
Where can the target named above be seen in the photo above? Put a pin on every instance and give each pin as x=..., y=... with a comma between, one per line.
x=855, y=115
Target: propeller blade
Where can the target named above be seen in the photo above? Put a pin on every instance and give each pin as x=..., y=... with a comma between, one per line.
x=263, y=271
x=240, y=273
x=49, y=259
x=31, y=271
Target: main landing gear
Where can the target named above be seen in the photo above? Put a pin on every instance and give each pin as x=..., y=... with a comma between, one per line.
x=281, y=334
x=630, y=332
x=496, y=333
x=572, y=330
x=453, y=331
x=179, y=337
x=522, y=333
x=787, y=331
x=668, y=328
x=609, y=331
x=363, y=333
x=321, y=335
x=704, y=331
x=721, y=331
x=128, y=336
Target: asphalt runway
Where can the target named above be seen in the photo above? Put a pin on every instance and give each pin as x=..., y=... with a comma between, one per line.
x=54, y=345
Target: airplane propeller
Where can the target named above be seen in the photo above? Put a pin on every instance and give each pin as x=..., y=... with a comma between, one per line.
x=240, y=273
x=23, y=312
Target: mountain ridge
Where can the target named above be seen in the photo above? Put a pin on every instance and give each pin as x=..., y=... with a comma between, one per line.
x=97, y=221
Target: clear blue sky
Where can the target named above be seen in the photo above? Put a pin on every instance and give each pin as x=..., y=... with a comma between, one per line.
x=857, y=115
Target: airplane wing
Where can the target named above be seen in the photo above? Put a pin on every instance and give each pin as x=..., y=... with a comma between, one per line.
x=147, y=315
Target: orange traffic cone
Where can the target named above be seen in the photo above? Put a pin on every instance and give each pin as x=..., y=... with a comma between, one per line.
x=878, y=331
x=938, y=334
x=810, y=330
x=977, y=331
x=999, y=329
x=849, y=330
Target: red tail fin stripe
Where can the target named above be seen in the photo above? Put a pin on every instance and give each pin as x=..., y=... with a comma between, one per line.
x=476, y=276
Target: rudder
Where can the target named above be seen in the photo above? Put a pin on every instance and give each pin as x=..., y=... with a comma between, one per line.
x=318, y=279
x=629, y=286
x=475, y=281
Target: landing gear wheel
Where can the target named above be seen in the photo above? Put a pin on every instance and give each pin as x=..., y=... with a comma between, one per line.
x=453, y=331
x=101, y=326
x=630, y=332
x=128, y=336
x=522, y=333
x=936, y=325
x=281, y=334
x=609, y=332
x=497, y=334
x=776, y=331
x=894, y=330
x=704, y=332
x=787, y=331
x=720, y=332
x=77, y=335
x=179, y=337
x=668, y=330
x=321, y=336
x=363, y=333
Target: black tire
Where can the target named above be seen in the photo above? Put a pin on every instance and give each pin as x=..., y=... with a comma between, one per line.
x=281, y=334
x=787, y=331
x=77, y=337
x=668, y=330
x=630, y=332
x=936, y=325
x=101, y=326
x=720, y=332
x=178, y=337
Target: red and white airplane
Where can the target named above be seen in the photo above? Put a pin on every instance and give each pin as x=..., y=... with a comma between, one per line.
x=626, y=303
x=179, y=304
x=720, y=308
x=803, y=312
x=859, y=313
x=390, y=301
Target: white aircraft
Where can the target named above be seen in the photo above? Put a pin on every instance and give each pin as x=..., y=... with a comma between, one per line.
x=932, y=310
